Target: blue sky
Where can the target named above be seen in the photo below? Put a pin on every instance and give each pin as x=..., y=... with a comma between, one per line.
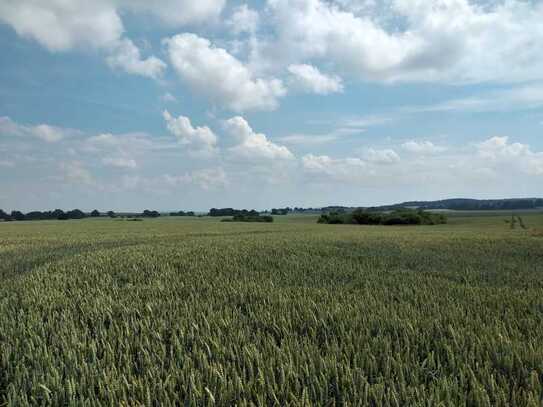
x=124, y=105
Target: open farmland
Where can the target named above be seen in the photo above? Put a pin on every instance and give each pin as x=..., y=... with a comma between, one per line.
x=195, y=311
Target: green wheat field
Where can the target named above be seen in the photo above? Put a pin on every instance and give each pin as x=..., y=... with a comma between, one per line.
x=192, y=311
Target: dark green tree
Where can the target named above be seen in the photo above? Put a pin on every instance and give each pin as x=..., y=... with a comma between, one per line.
x=4, y=215
x=76, y=214
x=57, y=214
x=17, y=215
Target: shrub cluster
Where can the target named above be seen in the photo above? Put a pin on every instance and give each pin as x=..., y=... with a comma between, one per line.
x=397, y=217
x=250, y=218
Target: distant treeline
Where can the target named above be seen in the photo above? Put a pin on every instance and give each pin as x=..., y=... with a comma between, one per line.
x=37, y=215
x=462, y=204
x=59, y=214
x=459, y=204
x=397, y=217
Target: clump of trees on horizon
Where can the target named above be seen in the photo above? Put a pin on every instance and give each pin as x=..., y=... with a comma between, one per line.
x=396, y=217
x=232, y=212
x=250, y=218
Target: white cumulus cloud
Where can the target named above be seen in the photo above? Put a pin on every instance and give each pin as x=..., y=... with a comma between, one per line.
x=501, y=153
x=252, y=145
x=226, y=81
x=128, y=57
x=197, y=137
x=310, y=79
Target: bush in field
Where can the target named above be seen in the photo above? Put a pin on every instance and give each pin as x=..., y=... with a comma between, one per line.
x=402, y=218
x=334, y=219
x=397, y=217
x=362, y=217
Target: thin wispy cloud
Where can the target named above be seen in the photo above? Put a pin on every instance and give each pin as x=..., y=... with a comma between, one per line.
x=520, y=97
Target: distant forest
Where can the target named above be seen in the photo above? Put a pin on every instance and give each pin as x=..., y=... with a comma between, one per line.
x=457, y=204
x=461, y=204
